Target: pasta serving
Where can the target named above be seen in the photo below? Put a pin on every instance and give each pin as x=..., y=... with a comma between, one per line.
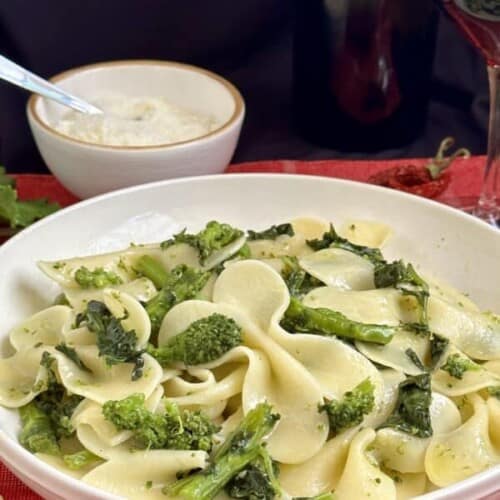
x=291, y=362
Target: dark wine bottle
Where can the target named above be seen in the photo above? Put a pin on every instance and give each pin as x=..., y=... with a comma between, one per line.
x=362, y=71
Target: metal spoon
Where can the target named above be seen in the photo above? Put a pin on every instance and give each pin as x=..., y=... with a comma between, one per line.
x=13, y=73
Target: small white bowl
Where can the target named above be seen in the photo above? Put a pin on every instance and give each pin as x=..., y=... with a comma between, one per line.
x=89, y=169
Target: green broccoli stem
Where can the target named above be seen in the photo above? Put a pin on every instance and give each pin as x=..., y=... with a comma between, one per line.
x=37, y=434
x=179, y=284
x=302, y=319
x=243, y=445
x=207, y=484
x=269, y=469
x=157, y=308
x=152, y=269
x=257, y=424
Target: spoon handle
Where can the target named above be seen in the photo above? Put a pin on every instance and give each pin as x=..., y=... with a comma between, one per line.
x=21, y=77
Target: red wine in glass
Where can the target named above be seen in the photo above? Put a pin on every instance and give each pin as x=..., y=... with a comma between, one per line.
x=479, y=21
x=481, y=27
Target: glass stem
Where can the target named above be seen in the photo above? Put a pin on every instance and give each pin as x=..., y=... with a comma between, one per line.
x=488, y=207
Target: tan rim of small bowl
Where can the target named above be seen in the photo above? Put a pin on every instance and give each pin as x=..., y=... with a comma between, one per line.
x=234, y=92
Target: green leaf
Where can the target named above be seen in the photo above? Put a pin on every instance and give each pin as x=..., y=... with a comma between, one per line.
x=272, y=232
x=113, y=342
x=412, y=411
x=20, y=214
x=71, y=353
x=413, y=357
x=32, y=210
x=331, y=239
x=5, y=179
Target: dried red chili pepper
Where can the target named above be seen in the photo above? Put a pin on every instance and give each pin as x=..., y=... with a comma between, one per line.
x=424, y=180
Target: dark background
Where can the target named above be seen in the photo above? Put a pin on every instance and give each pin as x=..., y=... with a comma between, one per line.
x=247, y=41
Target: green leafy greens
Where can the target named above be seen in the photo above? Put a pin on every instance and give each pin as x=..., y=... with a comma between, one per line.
x=113, y=342
x=298, y=281
x=412, y=411
x=404, y=278
x=331, y=239
x=245, y=445
x=272, y=232
x=47, y=418
x=71, y=353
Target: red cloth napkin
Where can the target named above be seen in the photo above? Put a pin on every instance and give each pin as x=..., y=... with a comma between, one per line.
x=462, y=191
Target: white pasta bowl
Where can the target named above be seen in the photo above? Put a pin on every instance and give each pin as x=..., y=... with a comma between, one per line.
x=89, y=169
x=450, y=244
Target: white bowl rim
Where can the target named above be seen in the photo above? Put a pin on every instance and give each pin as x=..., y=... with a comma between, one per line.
x=239, y=104
x=268, y=176
x=11, y=450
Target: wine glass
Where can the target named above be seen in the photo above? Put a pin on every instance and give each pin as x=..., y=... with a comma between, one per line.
x=479, y=21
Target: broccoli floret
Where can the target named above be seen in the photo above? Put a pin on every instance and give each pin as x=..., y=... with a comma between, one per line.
x=71, y=353
x=298, y=281
x=243, y=446
x=37, y=434
x=113, y=342
x=173, y=429
x=180, y=284
x=272, y=232
x=80, y=459
x=332, y=240
x=353, y=407
x=456, y=366
x=404, y=278
x=299, y=318
x=97, y=278
x=412, y=410
x=205, y=340
x=214, y=237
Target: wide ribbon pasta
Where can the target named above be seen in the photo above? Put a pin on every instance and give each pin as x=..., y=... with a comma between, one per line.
x=247, y=280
